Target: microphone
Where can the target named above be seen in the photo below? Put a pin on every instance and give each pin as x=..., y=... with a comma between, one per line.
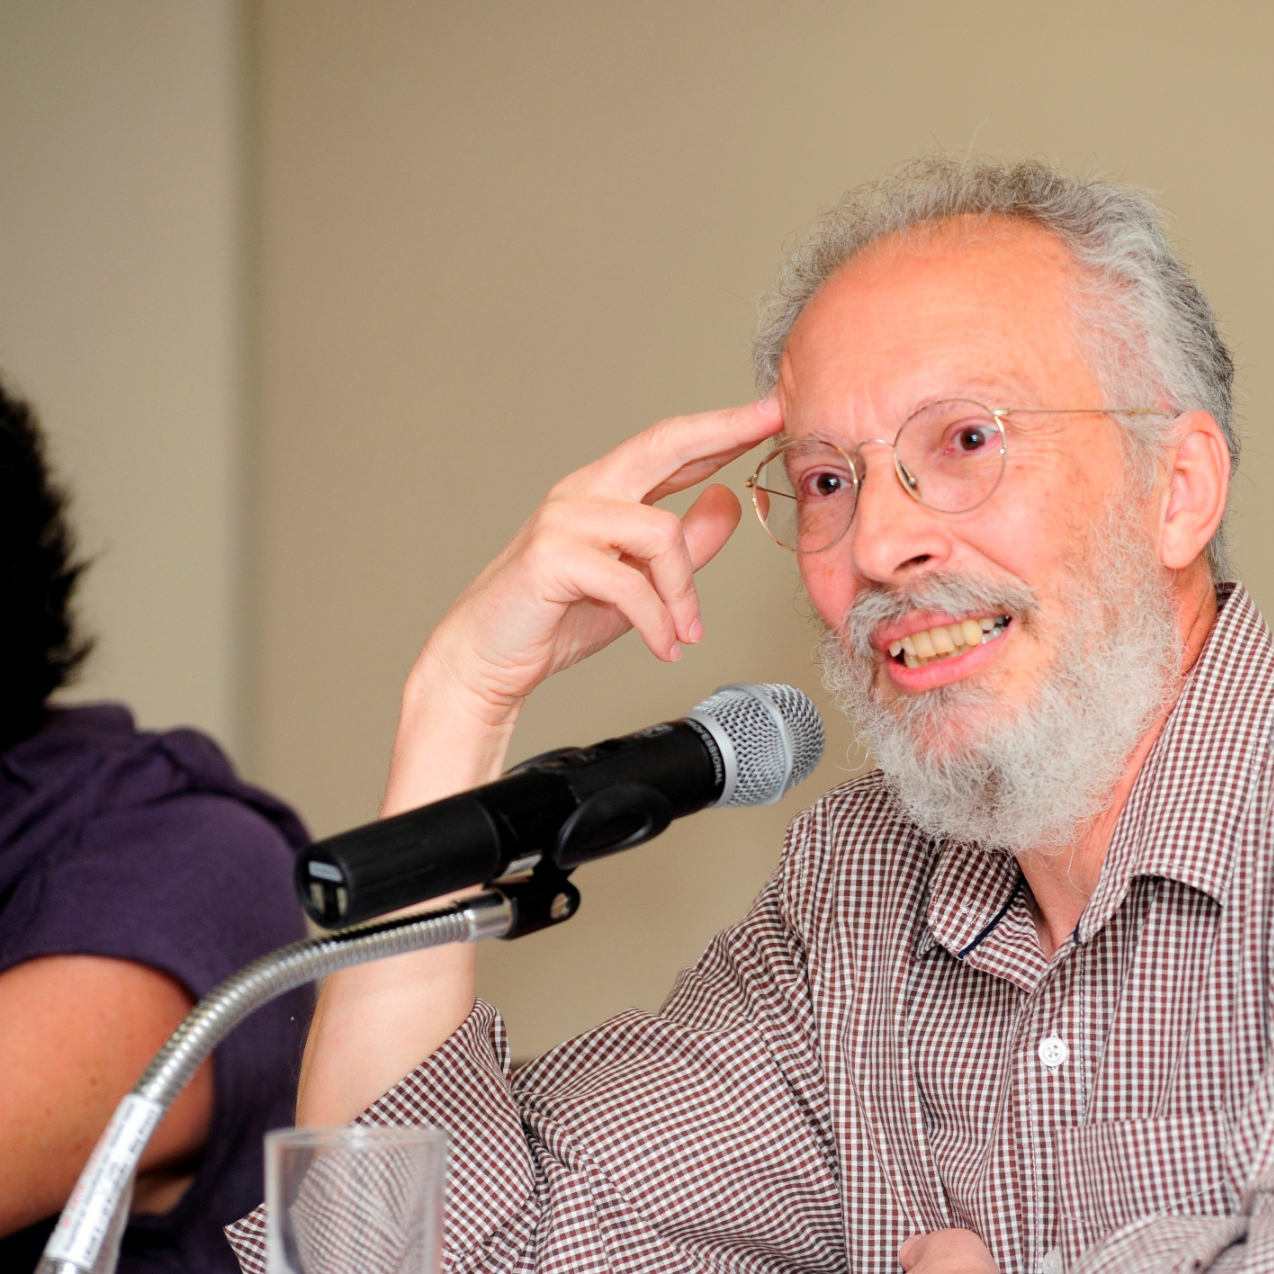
x=743, y=745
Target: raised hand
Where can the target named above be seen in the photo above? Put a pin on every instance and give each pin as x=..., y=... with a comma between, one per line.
x=595, y=559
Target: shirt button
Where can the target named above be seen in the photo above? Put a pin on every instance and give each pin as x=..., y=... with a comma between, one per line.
x=1053, y=1052
x=1052, y=1262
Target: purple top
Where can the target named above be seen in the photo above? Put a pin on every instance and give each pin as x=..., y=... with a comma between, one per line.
x=148, y=847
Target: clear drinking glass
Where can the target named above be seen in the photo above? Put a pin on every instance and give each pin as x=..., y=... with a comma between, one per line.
x=355, y=1200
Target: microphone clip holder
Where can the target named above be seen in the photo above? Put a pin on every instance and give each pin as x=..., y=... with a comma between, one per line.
x=544, y=898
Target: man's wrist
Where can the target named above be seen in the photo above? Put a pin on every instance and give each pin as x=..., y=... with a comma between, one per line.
x=450, y=737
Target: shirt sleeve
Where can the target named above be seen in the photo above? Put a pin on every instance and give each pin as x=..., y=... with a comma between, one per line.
x=195, y=886
x=698, y=1138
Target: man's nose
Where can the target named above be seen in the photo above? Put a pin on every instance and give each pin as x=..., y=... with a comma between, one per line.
x=892, y=534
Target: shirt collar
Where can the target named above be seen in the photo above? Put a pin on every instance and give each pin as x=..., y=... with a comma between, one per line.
x=969, y=893
x=1180, y=822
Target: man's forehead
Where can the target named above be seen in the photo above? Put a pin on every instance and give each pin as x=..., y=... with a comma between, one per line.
x=961, y=307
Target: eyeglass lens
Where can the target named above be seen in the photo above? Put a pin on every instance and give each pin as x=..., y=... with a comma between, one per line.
x=949, y=455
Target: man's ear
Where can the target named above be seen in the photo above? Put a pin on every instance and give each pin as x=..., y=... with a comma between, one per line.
x=1198, y=482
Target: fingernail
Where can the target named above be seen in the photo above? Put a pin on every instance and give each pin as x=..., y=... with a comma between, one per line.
x=770, y=403
x=696, y=631
x=674, y=652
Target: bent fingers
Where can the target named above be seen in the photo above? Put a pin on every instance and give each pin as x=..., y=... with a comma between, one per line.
x=649, y=542
x=622, y=585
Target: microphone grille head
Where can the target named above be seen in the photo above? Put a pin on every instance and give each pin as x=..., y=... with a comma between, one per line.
x=770, y=737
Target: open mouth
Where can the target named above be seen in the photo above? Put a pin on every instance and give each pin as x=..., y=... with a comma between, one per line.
x=944, y=640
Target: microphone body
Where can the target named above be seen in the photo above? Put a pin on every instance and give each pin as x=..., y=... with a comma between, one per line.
x=743, y=745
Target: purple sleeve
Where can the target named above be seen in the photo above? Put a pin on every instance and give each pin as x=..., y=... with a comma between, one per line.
x=195, y=885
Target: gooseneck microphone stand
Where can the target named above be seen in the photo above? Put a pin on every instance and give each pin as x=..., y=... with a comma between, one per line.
x=86, y=1239
x=748, y=745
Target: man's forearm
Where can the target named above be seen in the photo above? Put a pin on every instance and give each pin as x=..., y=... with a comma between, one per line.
x=377, y=1021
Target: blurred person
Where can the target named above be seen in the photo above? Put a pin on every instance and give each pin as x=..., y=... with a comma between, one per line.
x=1005, y=1004
x=136, y=871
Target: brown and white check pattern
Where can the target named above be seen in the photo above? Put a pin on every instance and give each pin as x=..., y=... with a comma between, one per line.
x=860, y=1058
x=369, y=1205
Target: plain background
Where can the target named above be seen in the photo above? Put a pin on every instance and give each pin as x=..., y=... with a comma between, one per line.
x=123, y=273
x=318, y=297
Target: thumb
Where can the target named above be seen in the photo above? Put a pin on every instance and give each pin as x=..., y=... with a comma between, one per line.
x=709, y=522
x=912, y=1250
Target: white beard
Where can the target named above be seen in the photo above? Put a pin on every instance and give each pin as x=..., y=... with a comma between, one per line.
x=1028, y=783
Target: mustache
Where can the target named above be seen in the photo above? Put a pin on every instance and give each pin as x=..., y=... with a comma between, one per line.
x=957, y=594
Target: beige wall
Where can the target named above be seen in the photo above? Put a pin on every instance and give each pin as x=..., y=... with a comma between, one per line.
x=121, y=272
x=497, y=238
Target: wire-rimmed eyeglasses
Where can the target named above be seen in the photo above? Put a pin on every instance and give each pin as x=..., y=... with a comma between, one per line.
x=949, y=456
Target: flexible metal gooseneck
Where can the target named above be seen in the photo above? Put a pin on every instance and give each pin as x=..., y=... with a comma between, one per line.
x=86, y=1239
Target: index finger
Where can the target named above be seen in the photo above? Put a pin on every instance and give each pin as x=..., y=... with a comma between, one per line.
x=681, y=451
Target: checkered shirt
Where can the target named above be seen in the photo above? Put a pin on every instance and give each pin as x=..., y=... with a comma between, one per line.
x=880, y=1048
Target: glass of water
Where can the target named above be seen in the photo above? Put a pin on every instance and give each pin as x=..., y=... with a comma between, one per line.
x=366, y=1199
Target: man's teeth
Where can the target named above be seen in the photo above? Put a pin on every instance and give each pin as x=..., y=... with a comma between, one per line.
x=918, y=649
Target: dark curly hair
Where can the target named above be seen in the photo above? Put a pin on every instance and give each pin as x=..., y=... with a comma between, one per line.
x=40, y=647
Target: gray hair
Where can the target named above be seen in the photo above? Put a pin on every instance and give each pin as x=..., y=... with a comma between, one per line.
x=1149, y=329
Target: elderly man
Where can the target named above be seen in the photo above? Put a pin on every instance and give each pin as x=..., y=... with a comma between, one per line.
x=1005, y=1003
